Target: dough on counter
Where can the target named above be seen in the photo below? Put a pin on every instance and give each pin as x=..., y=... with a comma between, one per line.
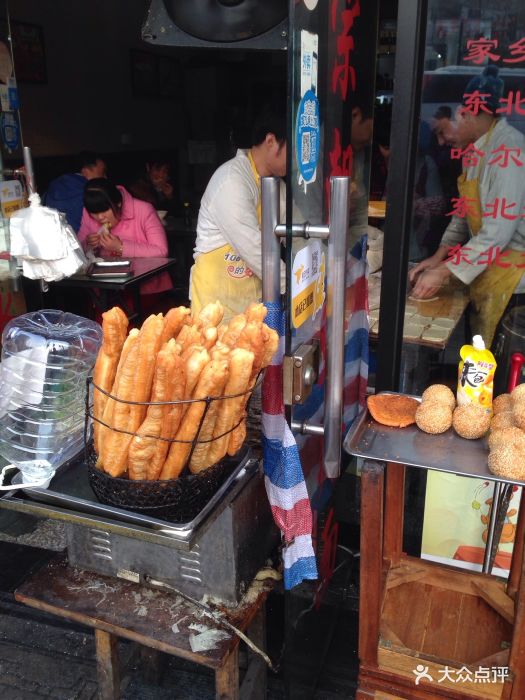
x=412, y=331
x=423, y=320
x=434, y=333
x=443, y=323
x=422, y=300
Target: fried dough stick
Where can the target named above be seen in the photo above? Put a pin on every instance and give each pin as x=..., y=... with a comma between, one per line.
x=211, y=383
x=230, y=410
x=114, y=327
x=146, y=452
x=109, y=408
x=264, y=342
x=134, y=385
x=174, y=320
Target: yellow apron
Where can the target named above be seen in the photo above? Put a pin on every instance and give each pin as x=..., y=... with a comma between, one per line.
x=491, y=291
x=222, y=274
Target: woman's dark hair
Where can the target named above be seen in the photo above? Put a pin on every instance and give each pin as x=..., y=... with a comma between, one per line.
x=100, y=195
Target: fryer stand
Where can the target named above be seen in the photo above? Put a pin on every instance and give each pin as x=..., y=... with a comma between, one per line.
x=217, y=554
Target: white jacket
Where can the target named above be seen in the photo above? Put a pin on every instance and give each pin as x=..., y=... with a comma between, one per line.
x=495, y=183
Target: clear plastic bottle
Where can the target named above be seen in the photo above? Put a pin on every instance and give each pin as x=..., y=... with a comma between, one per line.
x=46, y=358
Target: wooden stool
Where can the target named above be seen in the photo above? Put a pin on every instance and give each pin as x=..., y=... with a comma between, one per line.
x=156, y=619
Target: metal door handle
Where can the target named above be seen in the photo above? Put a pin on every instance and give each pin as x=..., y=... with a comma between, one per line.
x=335, y=328
x=337, y=235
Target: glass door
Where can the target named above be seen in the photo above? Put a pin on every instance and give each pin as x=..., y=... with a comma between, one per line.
x=331, y=72
x=331, y=84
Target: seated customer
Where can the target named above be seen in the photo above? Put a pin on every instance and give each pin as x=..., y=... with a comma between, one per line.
x=115, y=224
x=66, y=192
x=154, y=186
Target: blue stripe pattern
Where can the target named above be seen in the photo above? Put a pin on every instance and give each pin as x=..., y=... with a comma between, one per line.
x=303, y=569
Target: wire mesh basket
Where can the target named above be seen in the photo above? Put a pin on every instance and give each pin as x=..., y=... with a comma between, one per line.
x=176, y=500
x=179, y=499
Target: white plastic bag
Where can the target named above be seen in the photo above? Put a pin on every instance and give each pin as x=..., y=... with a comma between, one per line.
x=45, y=243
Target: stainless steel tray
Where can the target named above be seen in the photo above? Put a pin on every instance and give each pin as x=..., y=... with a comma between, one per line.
x=70, y=498
x=447, y=452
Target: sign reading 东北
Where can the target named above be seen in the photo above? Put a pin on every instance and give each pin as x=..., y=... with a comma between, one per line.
x=308, y=280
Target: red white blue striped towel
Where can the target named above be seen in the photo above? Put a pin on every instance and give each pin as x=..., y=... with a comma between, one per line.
x=284, y=477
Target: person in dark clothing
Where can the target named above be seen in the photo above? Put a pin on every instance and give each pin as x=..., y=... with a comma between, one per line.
x=66, y=193
x=154, y=186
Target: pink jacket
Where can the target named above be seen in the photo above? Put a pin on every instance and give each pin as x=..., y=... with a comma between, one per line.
x=142, y=235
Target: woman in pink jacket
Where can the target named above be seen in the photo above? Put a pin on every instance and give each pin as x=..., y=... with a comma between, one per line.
x=115, y=224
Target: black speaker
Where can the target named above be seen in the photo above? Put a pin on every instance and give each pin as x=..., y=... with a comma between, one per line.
x=241, y=24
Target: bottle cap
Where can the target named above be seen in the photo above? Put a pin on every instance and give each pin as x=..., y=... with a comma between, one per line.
x=478, y=343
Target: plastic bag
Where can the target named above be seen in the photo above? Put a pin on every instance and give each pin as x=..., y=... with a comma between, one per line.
x=45, y=243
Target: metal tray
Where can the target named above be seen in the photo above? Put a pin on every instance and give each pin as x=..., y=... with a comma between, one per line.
x=70, y=498
x=447, y=452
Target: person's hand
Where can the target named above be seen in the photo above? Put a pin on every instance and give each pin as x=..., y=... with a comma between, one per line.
x=430, y=282
x=419, y=268
x=167, y=189
x=111, y=243
x=93, y=240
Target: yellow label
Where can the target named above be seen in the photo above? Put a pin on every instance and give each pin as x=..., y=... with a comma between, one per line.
x=476, y=377
x=303, y=305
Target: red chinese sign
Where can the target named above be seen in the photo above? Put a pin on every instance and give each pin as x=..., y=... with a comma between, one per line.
x=493, y=256
x=479, y=50
x=503, y=156
x=464, y=207
x=343, y=78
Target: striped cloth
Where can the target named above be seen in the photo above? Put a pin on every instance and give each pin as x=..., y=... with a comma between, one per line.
x=284, y=478
x=285, y=484
x=356, y=334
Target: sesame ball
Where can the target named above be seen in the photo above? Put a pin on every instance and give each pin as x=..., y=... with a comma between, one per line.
x=471, y=421
x=501, y=403
x=507, y=436
x=440, y=393
x=433, y=417
x=505, y=419
x=507, y=461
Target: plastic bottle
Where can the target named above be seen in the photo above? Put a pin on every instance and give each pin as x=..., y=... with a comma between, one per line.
x=46, y=358
x=476, y=374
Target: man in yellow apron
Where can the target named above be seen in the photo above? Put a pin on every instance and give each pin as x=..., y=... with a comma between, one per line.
x=491, y=259
x=228, y=246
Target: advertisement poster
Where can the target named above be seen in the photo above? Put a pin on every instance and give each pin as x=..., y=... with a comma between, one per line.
x=457, y=513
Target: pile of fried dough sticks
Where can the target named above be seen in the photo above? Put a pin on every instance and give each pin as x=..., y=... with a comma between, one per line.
x=181, y=359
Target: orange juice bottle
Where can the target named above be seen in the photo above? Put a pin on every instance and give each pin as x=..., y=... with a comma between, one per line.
x=476, y=374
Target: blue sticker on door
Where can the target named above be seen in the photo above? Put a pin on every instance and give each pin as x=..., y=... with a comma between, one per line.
x=308, y=135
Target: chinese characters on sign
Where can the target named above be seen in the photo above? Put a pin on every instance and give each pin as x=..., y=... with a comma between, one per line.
x=503, y=156
x=476, y=102
x=464, y=207
x=479, y=50
x=343, y=77
x=458, y=255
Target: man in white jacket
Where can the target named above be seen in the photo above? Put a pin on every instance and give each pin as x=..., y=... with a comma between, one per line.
x=228, y=247
x=484, y=244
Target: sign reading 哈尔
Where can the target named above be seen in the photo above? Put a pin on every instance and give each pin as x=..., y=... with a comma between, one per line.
x=308, y=277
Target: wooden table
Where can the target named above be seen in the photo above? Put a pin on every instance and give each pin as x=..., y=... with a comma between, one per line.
x=416, y=615
x=108, y=292
x=156, y=619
